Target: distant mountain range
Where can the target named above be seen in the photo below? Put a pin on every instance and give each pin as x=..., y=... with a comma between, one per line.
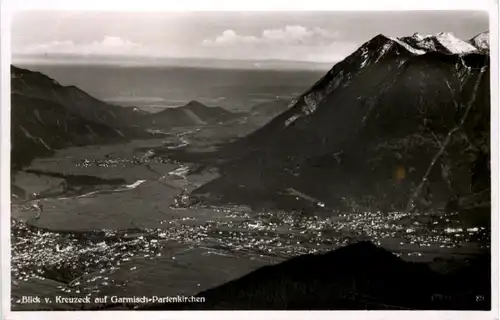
x=401, y=123
x=47, y=116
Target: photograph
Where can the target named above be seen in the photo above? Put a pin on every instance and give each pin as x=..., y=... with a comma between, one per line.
x=196, y=160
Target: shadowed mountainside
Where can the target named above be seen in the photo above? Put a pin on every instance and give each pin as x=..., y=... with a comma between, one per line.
x=41, y=126
x=391, y=127
x=47, y=116
x=36, y=85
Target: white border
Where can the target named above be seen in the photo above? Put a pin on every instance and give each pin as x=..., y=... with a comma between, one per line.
x=256, y=315
x=227, y=5
x=5, y=161
x=257, y=5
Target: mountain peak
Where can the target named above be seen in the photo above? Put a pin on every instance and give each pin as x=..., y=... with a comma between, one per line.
x=444, y=42
x=194, y=103
x=371, y=53
x=454, y=44
x=481, y=41
x=369, y=106
x=32, y=76
x=378, y=40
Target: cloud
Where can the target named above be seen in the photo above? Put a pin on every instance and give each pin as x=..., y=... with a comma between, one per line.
x=292, y=42
x=290, y=34
x=109, y=45
x=229, y=37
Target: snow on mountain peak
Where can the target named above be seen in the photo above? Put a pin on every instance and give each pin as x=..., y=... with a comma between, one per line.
x=370, y=53
x=420, y=37
x=408, y=46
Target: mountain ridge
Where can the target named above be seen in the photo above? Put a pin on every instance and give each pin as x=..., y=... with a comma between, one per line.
x=35, y=96
x=481, y=41
x=310, y=98
x=359, y=276
x=192, y=113
x=47, y=116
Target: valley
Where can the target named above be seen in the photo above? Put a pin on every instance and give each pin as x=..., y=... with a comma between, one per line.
x=383, y=162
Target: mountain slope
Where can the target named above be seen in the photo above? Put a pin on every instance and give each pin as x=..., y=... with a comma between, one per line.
x=367, y=132
x=359, y=276
x=47, y=116
x=37, y=85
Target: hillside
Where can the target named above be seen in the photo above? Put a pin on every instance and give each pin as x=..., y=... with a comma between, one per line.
x=39, y=127
x=481, y=41
x=398, y=125
x=36, y=85
x=47, y=116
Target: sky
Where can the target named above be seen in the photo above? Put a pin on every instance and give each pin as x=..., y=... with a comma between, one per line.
x=294, y=36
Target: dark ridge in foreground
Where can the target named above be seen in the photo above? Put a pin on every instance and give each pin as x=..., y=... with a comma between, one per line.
x=78, y=103
x=356, y=277
x=47, y=116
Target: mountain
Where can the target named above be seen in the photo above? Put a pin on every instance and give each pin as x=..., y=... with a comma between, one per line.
x=481, y=41
x=360, y=276
x=39, y=86
x=400, y=124
x=46, y=116
x=270, y=108
x=193, y=113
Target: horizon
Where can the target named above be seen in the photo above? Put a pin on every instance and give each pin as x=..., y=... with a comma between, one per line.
x=309, y=39
x=181, y=62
